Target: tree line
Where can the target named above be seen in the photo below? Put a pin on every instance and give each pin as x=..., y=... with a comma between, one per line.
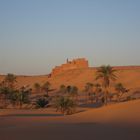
x=67, y=100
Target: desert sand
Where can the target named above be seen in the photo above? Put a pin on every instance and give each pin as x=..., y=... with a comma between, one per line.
x=129, y=76
x=119, y=121
x=112, y=122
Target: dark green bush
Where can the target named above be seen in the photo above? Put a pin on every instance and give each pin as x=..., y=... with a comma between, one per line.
x=42, y=103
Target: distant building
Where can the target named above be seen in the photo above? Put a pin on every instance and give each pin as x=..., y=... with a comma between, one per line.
x=74, y=64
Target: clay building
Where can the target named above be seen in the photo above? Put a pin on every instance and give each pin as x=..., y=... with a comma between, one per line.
x=69, y=65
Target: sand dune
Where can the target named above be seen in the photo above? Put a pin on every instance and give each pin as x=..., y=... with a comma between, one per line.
x=126, y=112
x=113, y=122
x=119, y=121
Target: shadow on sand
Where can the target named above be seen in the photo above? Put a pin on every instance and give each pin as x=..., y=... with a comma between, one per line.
x=92, y=105
x=33, y=115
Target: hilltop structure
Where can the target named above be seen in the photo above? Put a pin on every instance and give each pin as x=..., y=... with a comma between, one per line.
x=69, y=65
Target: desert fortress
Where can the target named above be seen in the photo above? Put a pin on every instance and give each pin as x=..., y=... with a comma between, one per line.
x=79, y=63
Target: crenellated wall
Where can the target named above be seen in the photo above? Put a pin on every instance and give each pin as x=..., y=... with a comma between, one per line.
x=69, y=65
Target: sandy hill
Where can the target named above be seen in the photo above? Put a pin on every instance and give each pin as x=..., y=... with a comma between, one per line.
x=127, y=112
x=129, y=76
x=117, y=122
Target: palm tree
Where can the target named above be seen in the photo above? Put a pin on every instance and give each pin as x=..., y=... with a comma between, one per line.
x=68, y=89
x=14, y=97
x=65, y=105
x=10, y=79
x=120, y=89
x=46, y=87
x=1, y=87
x=6, y=92
x=74, y=92
x=20, y=96
x=106, y=74
x=37, y=87
x=7, y=89
x=23, y=96
x=98, y=90
x=89, y=89
x=63, y=89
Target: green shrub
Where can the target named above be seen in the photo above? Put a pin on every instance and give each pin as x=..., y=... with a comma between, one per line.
x=42, y=103
x=65, y=105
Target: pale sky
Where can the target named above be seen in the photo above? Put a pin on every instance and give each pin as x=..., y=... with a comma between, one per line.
x=36, y=35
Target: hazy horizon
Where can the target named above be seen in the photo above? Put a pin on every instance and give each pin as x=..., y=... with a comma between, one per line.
x=36, y=35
